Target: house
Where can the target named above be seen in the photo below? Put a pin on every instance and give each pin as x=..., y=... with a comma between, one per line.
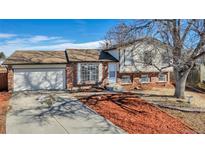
x=58, y=70
x=75, y=69
x=139, y=64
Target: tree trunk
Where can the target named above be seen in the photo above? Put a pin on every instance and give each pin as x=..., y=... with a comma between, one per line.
x=180, y=83
x=180, y=88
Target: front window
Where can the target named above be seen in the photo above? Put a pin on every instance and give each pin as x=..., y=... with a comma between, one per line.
x=89, y=73
x=162, y=78
x=128, y=57
x=126, y=79
x=144, y=79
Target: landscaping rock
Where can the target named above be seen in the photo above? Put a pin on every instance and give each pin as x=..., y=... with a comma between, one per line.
x=135, y=115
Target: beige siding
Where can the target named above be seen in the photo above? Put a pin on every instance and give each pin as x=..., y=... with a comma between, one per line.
x=138, y=55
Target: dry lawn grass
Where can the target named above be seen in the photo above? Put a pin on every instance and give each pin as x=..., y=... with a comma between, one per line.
x=195, y=120
x=165, y=96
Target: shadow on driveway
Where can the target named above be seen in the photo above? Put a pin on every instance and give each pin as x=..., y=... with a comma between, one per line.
x=54, y=113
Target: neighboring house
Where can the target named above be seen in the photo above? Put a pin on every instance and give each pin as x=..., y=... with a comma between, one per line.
x=3, y=69
x=3, y=77
x=58, y=70
x=74, y=69
x=134, y=68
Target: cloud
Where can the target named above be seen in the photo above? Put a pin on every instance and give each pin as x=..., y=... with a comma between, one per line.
x=41, y=42
x=63, y=46
x=16, y=41
x=6, y=35
x=33, y=39
x=40, y=38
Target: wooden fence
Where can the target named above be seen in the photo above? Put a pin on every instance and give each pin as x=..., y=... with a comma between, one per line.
x=3, y=82
x=195, y=75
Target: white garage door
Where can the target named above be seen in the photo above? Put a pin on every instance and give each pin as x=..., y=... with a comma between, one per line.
x=39, y=79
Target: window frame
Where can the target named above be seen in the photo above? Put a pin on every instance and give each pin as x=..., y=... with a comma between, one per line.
x=89, y=74
x=165, y=77
x=126, y=82
x=147, y=78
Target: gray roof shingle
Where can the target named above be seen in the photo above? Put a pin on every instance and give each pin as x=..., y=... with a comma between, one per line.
x=23, y=57
x=36, y=57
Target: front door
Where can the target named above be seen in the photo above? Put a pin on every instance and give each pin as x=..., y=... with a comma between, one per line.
x=112, y=73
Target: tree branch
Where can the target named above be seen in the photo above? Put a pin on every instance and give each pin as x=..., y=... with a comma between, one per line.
x=187, y=30
x=199, y=55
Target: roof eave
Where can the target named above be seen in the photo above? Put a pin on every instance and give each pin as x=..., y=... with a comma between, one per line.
x=94, y=61
x=32, y=63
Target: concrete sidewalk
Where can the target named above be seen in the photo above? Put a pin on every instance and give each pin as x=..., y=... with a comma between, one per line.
x=67, y=115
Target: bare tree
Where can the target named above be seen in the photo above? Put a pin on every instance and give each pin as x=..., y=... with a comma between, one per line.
x=184, y=40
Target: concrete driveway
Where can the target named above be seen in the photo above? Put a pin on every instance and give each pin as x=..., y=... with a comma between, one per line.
x=54, y=113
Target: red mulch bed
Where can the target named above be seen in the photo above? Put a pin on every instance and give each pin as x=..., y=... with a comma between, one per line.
x=135, y=115
x=4, y=97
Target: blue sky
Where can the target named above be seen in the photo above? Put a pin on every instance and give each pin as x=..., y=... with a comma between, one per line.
x=52, y=34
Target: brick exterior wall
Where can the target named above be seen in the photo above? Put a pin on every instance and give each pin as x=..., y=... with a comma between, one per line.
x=71, y=77
x=136, y=84
x=70, y=70
x=105, y=74
x=10, y=79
